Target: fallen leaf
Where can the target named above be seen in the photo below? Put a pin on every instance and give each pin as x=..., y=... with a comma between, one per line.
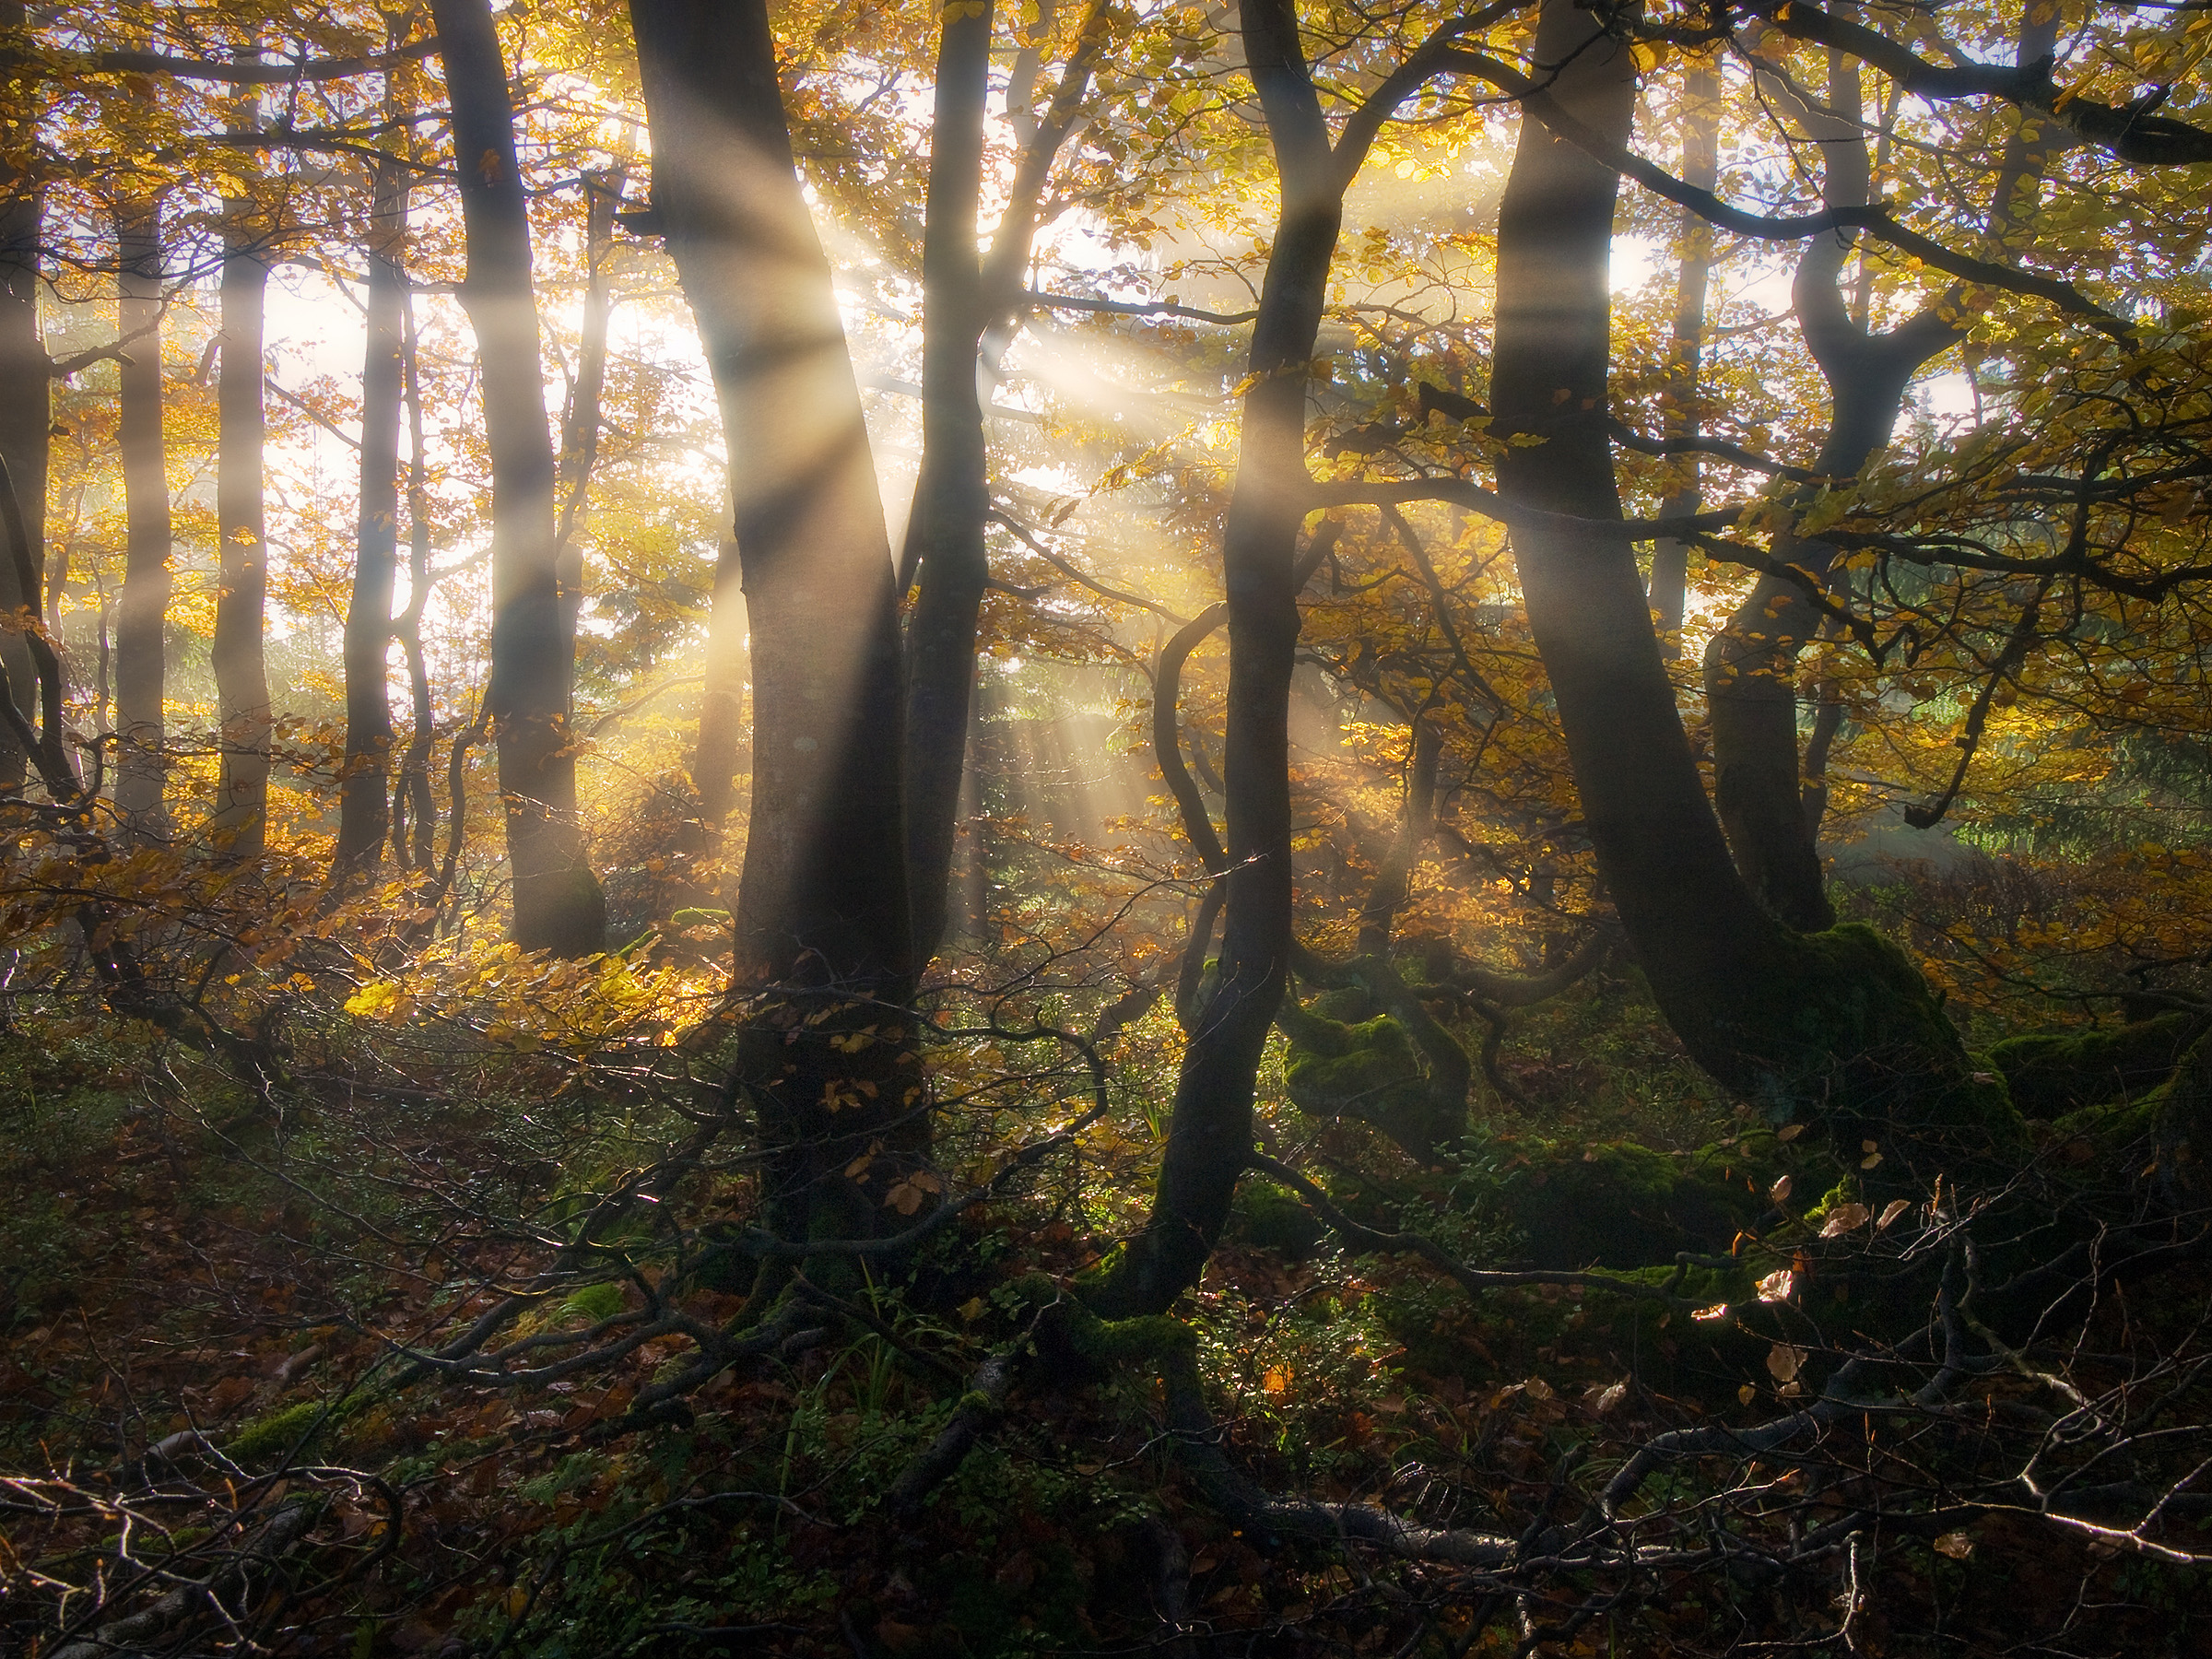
x=1890, y=1212
x=1783, y=1361
x=1956, y=1544
x=1538, y=1389
x=1843, y=1219
x=1870, y=1160
x=1602, y=1400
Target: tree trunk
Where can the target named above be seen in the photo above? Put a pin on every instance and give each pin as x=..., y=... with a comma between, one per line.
x=557, y=902
x=1838, y=1023
x=1209, y=1137
x=822, y=921
x=413, y=804
x=1700, y=166
x=241, y=680
x=580, y=423
x=142, y=613
x=962, y=301
x=1751, y=666
x=717, y=755
x=25, y=417
x=952, y=495
x=364, y=808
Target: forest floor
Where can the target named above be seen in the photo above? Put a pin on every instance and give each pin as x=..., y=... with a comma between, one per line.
x=202, y=1309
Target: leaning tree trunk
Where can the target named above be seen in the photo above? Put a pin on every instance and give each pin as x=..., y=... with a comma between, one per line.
x=364, y=807
x=1839, y=1023
x=241, y=680
x=142, y=613
x=822, y=923
x=557, y=902
x=1209, y=1135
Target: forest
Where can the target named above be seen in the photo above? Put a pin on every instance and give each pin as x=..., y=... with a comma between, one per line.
x=1195, y=828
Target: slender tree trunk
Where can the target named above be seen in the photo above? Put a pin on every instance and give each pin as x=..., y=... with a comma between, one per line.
x=952, y=496
x=1393, y=881
x=822, y=915
x=717, y=758
x=364, y=812
x=557, y=902
x=412, y=799
x=580, y=424
x=1209, y=1137
x=962, y=301
x=1700, y=166
x=241, y=680
x=25, y=418
x=142, y=613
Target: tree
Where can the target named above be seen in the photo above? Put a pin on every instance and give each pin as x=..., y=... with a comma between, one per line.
x=558, y=904
x=142, y=613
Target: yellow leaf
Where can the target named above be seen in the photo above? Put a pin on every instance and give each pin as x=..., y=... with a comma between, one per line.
x=1788, y=1133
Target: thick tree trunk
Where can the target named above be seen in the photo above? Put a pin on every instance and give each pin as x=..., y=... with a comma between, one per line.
x=822, y=921
x=142, y=613
x=364, y=808
x=1839, y=1023
x=1700, y=166
x=25, y=418
x=241, y=680
x=1209, y=1137
x=952, y=496
x=557, y=902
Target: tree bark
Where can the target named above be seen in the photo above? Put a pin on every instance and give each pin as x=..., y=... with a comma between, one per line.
x=142, y=612
x=1209, y=1135
x=241, y=680
x=822, y=924
x=557, y=902
x=717, y=757
x=364, y=806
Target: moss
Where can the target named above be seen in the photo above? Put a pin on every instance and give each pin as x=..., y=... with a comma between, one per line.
x=1618, y=1204
x=2052, y=1074
x=280, y=1433
x=1844, y=1027
x=1369, y=1070
x=1267, y=1218
x=2166, y=1134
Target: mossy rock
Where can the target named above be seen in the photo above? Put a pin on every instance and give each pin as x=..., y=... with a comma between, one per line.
x=2050, y=1075
x=291, y=1431
x=2165, y=1136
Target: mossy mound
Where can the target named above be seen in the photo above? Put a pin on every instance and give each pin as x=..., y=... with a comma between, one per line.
x=1346, y=1060
x=1618, y=1204
x=2050, y=1075
x=1844, y=1030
